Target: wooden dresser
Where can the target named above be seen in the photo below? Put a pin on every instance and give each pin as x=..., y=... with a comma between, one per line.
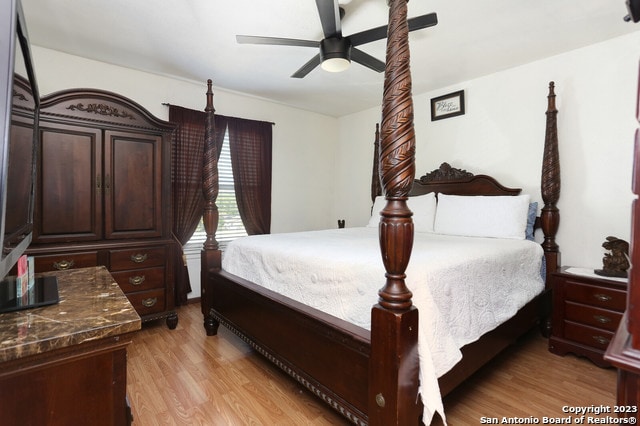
x=586, y=314
x=104, y=195
x=66, y=364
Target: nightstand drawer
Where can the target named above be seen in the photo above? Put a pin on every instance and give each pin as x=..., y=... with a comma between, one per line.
x=589, y=336
x=596, y=317
x=587, y=310
x=140, y=279
x=595, y=296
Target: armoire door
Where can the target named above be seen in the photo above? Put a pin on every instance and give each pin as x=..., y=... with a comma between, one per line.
x=69, y=191
x=133, y=185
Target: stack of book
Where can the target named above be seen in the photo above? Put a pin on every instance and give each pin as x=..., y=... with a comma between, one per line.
x=25, y=280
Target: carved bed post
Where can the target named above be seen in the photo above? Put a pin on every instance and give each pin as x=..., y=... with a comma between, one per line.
x=550, y=186
x=393, y=367
x=211, y=256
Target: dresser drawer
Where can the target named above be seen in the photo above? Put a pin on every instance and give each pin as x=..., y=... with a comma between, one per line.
x=596, y=317
x=122, y=260
x=61, y=262
x=589, y=336
x=595, y=296
x=140, y=279
x=147, y=302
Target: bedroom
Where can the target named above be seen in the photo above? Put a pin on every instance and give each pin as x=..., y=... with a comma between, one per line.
x=502, y=130
x=507, y=96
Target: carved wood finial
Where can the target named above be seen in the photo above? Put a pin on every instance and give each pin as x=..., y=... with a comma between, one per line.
x=550, y=181
x=397, y=162
x=210, y=175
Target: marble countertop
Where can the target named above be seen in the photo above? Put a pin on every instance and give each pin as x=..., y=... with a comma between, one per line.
x=92, y=306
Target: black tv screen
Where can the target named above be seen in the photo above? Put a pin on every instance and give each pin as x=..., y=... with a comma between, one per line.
x=19, y=109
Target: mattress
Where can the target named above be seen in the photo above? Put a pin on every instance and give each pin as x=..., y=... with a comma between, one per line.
x=462, y=286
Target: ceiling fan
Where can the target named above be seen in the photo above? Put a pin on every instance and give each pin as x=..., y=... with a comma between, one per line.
x=337, y=51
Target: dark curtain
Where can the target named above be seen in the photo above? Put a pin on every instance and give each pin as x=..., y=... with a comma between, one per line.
x=186, y=181
x=376, y=185
x=250, y=144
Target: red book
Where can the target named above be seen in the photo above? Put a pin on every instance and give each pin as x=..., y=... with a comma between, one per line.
x=22, y=280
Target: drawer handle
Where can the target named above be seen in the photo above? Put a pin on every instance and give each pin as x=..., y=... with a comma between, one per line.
x=138, y=258
x=149, y=302
x=602, y=297
x=137, y=280
x=600, y=339
x=63, y=265
x=602, y=319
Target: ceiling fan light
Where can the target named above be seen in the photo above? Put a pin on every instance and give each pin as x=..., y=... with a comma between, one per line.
x=335, y=54
x=335, y=64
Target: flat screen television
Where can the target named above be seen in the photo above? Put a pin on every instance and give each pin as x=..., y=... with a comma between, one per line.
x=19, y=111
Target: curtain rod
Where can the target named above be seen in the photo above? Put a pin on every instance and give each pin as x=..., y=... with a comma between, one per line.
x=270, y=122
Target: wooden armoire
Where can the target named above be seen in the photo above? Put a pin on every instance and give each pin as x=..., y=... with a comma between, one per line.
x=104, y=195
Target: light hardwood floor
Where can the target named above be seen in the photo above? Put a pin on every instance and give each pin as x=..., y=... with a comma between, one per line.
x=183, y=377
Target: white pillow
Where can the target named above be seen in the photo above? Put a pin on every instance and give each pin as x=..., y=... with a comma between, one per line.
x=378, y=205
x=422, y=206
x=482, y=216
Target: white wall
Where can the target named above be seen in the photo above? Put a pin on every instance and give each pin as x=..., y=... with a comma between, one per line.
x=502, y=134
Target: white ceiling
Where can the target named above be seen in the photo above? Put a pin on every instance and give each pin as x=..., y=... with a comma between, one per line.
x=195, y=40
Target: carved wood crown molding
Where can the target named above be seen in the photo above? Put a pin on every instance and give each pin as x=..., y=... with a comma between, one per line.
x=19, y=95
x=444, y=173
x=101, y=109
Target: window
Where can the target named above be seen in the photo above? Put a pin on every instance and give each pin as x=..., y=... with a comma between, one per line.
x=230, y=224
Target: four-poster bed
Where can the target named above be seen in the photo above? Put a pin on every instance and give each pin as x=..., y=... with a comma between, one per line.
x=371, y=376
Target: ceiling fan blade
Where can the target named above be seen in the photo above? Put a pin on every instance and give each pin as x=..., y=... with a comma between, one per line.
x=245, y=39
x=367, y=60
x=424, y=21
x=308, y=67
x=417, y=23
x=329, y=12
x=368, y=36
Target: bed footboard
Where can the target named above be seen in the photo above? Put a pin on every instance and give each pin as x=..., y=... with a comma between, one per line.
x=328, y=356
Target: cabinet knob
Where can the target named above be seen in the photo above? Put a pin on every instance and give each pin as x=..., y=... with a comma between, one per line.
x=63, y=265
x=137, y=280
x=602, y=319
x=601, y=340
x=138, y=258
x=602, y=297
x=149, y=302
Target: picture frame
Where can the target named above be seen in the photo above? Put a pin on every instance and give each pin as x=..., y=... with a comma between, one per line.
x=449, y=105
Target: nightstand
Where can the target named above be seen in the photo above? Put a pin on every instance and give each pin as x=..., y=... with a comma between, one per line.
x=586, y=312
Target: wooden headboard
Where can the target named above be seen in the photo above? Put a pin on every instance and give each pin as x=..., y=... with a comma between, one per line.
x=453, y=181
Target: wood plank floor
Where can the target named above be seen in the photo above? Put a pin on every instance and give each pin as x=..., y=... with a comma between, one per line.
x=183, y=377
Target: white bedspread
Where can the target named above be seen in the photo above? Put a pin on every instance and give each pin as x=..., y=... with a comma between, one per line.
x=462, y=286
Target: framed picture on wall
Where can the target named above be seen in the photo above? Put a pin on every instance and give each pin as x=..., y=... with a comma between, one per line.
x=448, y=105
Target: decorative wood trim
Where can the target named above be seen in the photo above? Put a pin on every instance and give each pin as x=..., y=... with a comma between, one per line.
x=109, y=109
x=101, y=109
x=444, y=173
